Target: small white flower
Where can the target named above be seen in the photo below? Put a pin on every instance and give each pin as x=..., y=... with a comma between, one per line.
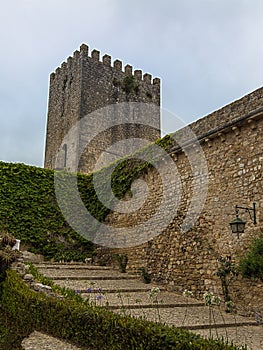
x=154, y=292
x=216, y=300
x=208, y=297
x=229, y=303
x=187, y=293
x=211, y=299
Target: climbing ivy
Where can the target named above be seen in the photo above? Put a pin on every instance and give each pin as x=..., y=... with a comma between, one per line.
x=29, y=208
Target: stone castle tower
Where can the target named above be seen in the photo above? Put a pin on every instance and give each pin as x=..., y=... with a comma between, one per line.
x=85, y=84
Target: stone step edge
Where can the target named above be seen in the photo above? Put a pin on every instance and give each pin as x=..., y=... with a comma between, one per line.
x=91, y=278
x=114, y=290
x=68, y=267
x=150, y=306
x=220, y=325
x=61, y=263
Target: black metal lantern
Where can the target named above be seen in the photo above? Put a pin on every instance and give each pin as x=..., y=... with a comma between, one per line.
x=238, y=225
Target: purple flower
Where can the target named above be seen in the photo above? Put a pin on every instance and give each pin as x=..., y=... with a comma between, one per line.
x=77, y=291
x=89, y=290
x=99, y=289
x=99, y=297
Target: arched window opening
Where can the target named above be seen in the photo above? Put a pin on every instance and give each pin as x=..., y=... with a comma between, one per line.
x=65, y=151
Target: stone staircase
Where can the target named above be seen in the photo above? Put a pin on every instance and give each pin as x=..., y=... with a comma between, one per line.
x=126, y=294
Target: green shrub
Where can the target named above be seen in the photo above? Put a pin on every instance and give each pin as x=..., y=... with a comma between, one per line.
x=122, y=260
x=92, y=326
x=251, y=265
x=129, y=84
x=146, y=277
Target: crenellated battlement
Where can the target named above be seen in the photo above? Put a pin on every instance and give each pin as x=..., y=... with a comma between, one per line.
x=95, y=56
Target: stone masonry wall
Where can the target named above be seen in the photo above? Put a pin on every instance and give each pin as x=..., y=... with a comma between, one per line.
x=85, y=84
x=232, y=144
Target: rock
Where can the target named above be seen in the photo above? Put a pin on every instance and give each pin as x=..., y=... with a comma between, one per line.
x=39, y=287
x=88, y=260
x=31, y=257
x=28, y=277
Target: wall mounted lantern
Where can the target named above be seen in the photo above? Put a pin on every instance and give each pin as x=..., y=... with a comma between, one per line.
x=238, y=225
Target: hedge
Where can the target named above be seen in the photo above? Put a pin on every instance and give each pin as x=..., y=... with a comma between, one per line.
x=93, y=326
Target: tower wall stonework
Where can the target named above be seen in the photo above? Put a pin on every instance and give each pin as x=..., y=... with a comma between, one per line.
x=85, y=84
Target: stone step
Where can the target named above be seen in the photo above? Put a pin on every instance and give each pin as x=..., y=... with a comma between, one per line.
x=47, y=263
x=110, y=287
x=114, y=285
x=190, y=317
x=148, y=306
x=91, y=278
x=252, y=336
x=141, y=298
x=56, y=266
x=220, y=325
x=86, y=273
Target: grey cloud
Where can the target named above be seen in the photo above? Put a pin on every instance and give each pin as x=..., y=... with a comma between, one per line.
x=207, y=53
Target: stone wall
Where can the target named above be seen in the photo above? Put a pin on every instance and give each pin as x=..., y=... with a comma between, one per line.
x=231, y=140
x=85, y=84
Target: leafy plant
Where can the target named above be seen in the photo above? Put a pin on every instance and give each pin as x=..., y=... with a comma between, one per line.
x=145, y=275
x=122, y=260
x=129, y=84
x=154, y=294
x=226, y=272
x=251, y=265
x=116, y=82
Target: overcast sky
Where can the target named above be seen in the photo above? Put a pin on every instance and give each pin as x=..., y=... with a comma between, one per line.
x=207, y=53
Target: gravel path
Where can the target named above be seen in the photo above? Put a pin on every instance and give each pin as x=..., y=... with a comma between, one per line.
x=41, y=341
